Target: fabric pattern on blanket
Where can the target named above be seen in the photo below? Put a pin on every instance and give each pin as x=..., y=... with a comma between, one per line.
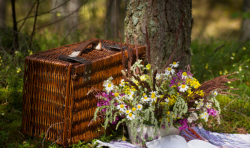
x=219, y=139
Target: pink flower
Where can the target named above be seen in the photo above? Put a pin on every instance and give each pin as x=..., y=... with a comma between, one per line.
x=183, y=123
x=212, y=112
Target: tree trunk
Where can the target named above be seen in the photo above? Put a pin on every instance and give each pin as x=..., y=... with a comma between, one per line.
x=2, y=13
x=115, y=14
x=169, y=24
x=15, y=37
x=245, y=26
x=69, y=9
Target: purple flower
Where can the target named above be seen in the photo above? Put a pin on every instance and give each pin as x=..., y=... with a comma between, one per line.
x=116, y=120
x=212, y=112
x=183, y=123
x=173, y=82
x=179, y=74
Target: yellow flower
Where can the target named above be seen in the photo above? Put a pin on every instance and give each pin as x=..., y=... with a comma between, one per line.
x=193, y=83
x=163, y=103
x=200, y=93
x=116, y=94
x=124, y=138
x=172, y=99
x=244, y=48
x=148, y=66
x=30, y=52
x=133, y=109
x=190, y=93
x=133, y=88
x=18, y=70
x=206, y=66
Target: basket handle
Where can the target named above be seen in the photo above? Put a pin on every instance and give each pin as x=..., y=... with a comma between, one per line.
x=82, y=46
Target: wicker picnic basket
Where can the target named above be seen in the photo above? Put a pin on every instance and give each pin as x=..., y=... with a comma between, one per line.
x=56, y=84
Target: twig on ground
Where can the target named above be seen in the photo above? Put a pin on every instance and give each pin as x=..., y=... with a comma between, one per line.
x=48, y=132
x=229, y=103
x=55, y=141
x=240, y=114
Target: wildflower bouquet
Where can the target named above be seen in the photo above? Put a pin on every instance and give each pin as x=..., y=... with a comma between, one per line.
x=172, y=97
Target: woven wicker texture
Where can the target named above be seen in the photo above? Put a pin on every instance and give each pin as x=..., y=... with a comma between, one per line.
x=55, y=92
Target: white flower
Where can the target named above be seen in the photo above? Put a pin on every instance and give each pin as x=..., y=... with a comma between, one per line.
x=153, y=97
x=215, y=93
x=131, y=95
x=108, y=86
x=121, y=112
x=145, y=99
x=190, y=119
x=209, y=105
x=133, y=109
x=198, y=107
x=184, y=75
x=127, y=111
x=183, y=88
x=116, y=94
x=158, y=76
x=143, y=78
x=153, y=94
x=194, y=115
x=2, y=114
x=122, y=84
x=167, y=76
x=139, y=106
x=169, y=70
x=167, y=100
x=130, y=116
x=204, y=116
x=201, y=103
x=121, y=107
x=120, y=99
x=175, y=64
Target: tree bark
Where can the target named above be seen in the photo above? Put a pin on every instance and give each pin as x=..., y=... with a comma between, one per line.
x=2, y=13
x=169, y=24
x=115, y=14
x=15, y=37
x=69, y=25
x=245, y=26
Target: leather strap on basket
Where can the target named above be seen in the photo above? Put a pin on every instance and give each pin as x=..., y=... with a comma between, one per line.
x=78, y=59
x=79, y=50
x=83, y=46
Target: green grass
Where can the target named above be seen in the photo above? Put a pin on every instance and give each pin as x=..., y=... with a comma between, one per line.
x=235, y=116
x=209, y=61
